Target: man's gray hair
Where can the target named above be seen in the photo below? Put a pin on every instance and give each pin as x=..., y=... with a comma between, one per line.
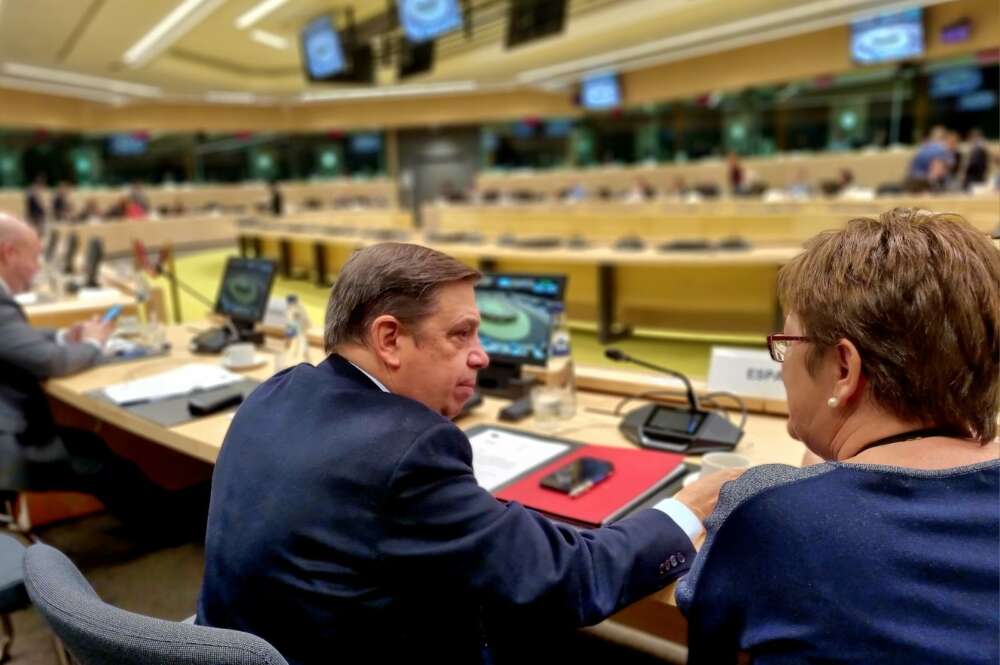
x=389, y=278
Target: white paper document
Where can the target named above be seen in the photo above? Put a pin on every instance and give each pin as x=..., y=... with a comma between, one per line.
x=499, y=456
x=181, y=381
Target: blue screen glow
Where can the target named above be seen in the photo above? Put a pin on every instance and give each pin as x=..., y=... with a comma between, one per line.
x=321, y=49
x=423, y=20
x=888, y=37
x=601, y=92
x=955, y=81
x=364, y=144
x=126, y=145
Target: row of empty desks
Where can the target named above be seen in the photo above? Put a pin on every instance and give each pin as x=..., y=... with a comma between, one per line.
x=595, y=269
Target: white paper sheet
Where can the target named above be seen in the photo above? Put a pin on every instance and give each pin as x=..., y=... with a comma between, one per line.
x=180, y=381
x=499, y=456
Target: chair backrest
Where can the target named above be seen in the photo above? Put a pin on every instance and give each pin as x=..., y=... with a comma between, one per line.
x=99, y=634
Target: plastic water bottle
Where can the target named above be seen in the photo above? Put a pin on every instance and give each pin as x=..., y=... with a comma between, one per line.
x=563, y=377
x=296, y=331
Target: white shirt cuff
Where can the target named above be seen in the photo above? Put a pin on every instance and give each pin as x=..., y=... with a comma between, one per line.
x=682, y=516
x=61, y=340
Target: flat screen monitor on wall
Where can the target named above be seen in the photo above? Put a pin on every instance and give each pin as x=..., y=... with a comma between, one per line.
x=414, y=58
x=322, y=53
x=601, y=92
x=366, y=144
x=533, y=19
x=423, y=20
x=888, y=37
x=127, y=145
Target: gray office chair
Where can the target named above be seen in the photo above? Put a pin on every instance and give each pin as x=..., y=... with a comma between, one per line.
x=12, y=594
x=96, y=633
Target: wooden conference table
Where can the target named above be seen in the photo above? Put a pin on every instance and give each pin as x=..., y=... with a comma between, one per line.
x=62, y=312
x=656, y=616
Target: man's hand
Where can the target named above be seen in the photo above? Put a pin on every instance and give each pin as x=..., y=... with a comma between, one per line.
x=93, y=330
x=702, y=495
x=73, y=333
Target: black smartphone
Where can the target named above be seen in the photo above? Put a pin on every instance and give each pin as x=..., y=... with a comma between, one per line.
x=578, y=476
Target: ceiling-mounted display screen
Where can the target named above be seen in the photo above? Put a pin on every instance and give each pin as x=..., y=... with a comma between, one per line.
x=423, y=20
x=888, y=37
x=534, y=19
x=322, y=54
x=600, y=92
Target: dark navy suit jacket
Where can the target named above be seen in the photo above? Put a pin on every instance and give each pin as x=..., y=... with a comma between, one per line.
x=346, y=522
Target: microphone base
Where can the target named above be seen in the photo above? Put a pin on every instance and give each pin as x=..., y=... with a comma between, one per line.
x=651, y=426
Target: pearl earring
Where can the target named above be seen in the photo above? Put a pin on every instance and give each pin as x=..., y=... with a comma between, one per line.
x=833, y=402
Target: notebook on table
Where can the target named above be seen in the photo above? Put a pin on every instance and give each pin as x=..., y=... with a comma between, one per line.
x=638, y=474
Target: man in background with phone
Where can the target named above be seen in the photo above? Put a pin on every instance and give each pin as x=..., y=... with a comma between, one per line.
x=346, y=523
x=35, y=453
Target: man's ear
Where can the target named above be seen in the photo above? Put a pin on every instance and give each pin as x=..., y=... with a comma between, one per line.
x=384, y=334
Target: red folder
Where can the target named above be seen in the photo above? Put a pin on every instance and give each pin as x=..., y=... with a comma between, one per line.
x=638, y=474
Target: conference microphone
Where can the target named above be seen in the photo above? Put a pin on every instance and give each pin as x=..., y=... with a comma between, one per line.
x=620, y=356
x=671, y=428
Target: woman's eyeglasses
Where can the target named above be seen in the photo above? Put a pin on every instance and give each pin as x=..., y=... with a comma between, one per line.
x=778, y=345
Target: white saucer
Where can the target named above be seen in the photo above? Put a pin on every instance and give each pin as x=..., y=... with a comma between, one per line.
x=259, y=359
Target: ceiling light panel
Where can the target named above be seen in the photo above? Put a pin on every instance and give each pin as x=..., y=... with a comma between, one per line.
x=81, y=80
x=171, y=28
x=257, y=12
x=269, y=39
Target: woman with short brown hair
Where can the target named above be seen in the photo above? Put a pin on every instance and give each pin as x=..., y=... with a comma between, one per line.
x=890, y=550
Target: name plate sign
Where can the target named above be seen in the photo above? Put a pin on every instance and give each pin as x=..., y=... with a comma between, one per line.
x=746, y=372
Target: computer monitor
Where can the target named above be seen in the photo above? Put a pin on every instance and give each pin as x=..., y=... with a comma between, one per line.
x=534, y=19
x=245, y=290
x=888, y=37
x=601, y=92
x=423, y=20
x=516, y=312
x=92, y=267
x=322, y=53
x=414, y=59
x=127, y=145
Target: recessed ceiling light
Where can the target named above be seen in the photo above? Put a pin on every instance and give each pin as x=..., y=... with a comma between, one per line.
x=388, y=91
x=82, y=80
x=269, y=39
x=62, y=90
x=256, y=13
x=232, y=97
x=169, y=29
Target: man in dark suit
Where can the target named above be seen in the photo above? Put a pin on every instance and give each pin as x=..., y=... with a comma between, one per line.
x=35, y=454
x=346, y=522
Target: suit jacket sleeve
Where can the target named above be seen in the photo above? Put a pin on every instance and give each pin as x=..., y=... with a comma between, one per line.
x=35, y=350
x=443, y=527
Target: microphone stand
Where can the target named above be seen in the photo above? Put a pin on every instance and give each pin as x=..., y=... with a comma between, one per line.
x=706, y=430
x=620, y=356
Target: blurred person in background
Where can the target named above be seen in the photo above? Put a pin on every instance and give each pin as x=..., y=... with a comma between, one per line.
x=62, y=203
x=34, y=204
x=977, y=166
x=934, y=147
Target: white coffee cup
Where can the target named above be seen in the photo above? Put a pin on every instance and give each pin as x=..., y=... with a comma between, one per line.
x=239, y=355
x=713, y=462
